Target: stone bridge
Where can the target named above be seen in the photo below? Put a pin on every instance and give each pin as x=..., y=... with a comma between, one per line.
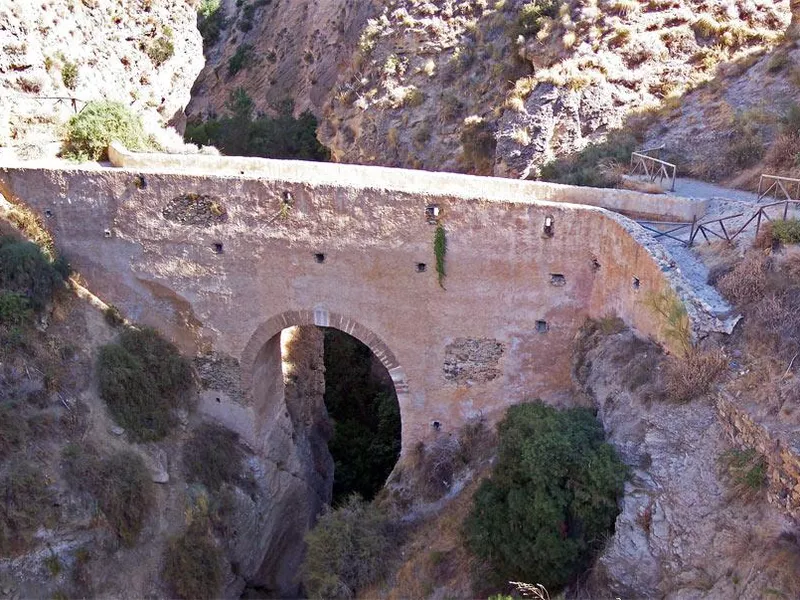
x=224, y=253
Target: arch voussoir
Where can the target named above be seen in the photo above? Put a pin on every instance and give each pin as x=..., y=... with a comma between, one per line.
x=274, y=325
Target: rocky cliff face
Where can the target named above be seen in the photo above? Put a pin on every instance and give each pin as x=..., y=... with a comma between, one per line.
x=684, y=530
x=143, y=53
x=292, y=49
x=487, y=87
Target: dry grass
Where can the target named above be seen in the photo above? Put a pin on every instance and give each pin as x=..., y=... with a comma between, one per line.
x=747, y=281
x=693, y=375
x=436, y=557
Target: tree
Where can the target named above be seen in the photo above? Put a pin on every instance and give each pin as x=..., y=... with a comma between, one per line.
x=552, y=498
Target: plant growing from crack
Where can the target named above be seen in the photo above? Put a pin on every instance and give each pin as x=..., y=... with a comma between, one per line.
x=677, y=325
x=439, y=251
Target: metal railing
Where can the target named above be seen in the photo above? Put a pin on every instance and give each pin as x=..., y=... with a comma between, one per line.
x=74, y=102
x=653, y=168
x=716, y=227
x=778, y=186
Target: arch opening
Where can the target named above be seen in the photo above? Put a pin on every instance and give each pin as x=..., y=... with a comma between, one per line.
x=362, y=406
x=339, y=390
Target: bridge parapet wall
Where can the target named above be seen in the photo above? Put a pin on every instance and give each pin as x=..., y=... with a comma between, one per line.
x=652, y=206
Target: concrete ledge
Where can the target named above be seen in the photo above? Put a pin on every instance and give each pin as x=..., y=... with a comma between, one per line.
x=422, y=183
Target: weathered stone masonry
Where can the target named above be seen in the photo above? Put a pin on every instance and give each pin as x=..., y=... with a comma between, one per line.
x=305, y=243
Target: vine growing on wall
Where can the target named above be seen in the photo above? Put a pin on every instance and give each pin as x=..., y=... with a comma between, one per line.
x=677, y=327
x=440, y=250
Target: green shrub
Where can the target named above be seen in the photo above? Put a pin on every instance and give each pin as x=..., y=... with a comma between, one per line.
x=210, y=21
x=212, y=456
x=478, y=145
x=241, y=59
x=91, y=131
x=26, y=271
x=347, y=550
x=26, y=504
x=120, y=484
x=13, y=429
x=587, y=166
x=746, y=145
x=160, y=50
x=790, y=122
x=551, y=499
x=15, y=309
x=531, y=15
x=786, y=232
x=193, y=564
x=126, y=495
x=745, y=469
x=69, y=74
x=143, y=379
x=113, y=316
x=281, y=136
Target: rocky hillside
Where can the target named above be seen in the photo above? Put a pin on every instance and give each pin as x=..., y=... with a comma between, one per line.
x=113, y=484
x=277, y=49
x=143, y=53
x=503, y=87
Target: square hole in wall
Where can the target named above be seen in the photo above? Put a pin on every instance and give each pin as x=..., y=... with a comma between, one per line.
x=557, y=279
x=319, y=257
x=636, y=283
x=595, y=264
x=421, y=267
x=541, y=326
x=217, y=247
x=549, y=226
x=432, y=213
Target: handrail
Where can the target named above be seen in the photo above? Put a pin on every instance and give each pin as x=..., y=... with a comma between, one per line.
x=73, y=101
x=704, y=227
x=776, y=185
x=653, y=168
x=652, y=149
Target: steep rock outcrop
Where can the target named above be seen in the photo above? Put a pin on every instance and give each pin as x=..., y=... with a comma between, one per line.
x=481, y=87
x=681, y=533
x=143, y=53
x=291, y=49
x=292, y=472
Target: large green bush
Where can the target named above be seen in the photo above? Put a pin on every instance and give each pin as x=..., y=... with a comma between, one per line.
x=281, y=136
x=143, y=379
x=347, y=550
x=551, y=500
x=26, y=271
x=99, y=123
x=532, y=15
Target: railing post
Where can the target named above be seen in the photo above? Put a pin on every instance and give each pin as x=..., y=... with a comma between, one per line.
x=692, y=232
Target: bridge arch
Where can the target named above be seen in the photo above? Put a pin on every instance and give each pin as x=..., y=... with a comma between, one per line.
x=262, y=353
